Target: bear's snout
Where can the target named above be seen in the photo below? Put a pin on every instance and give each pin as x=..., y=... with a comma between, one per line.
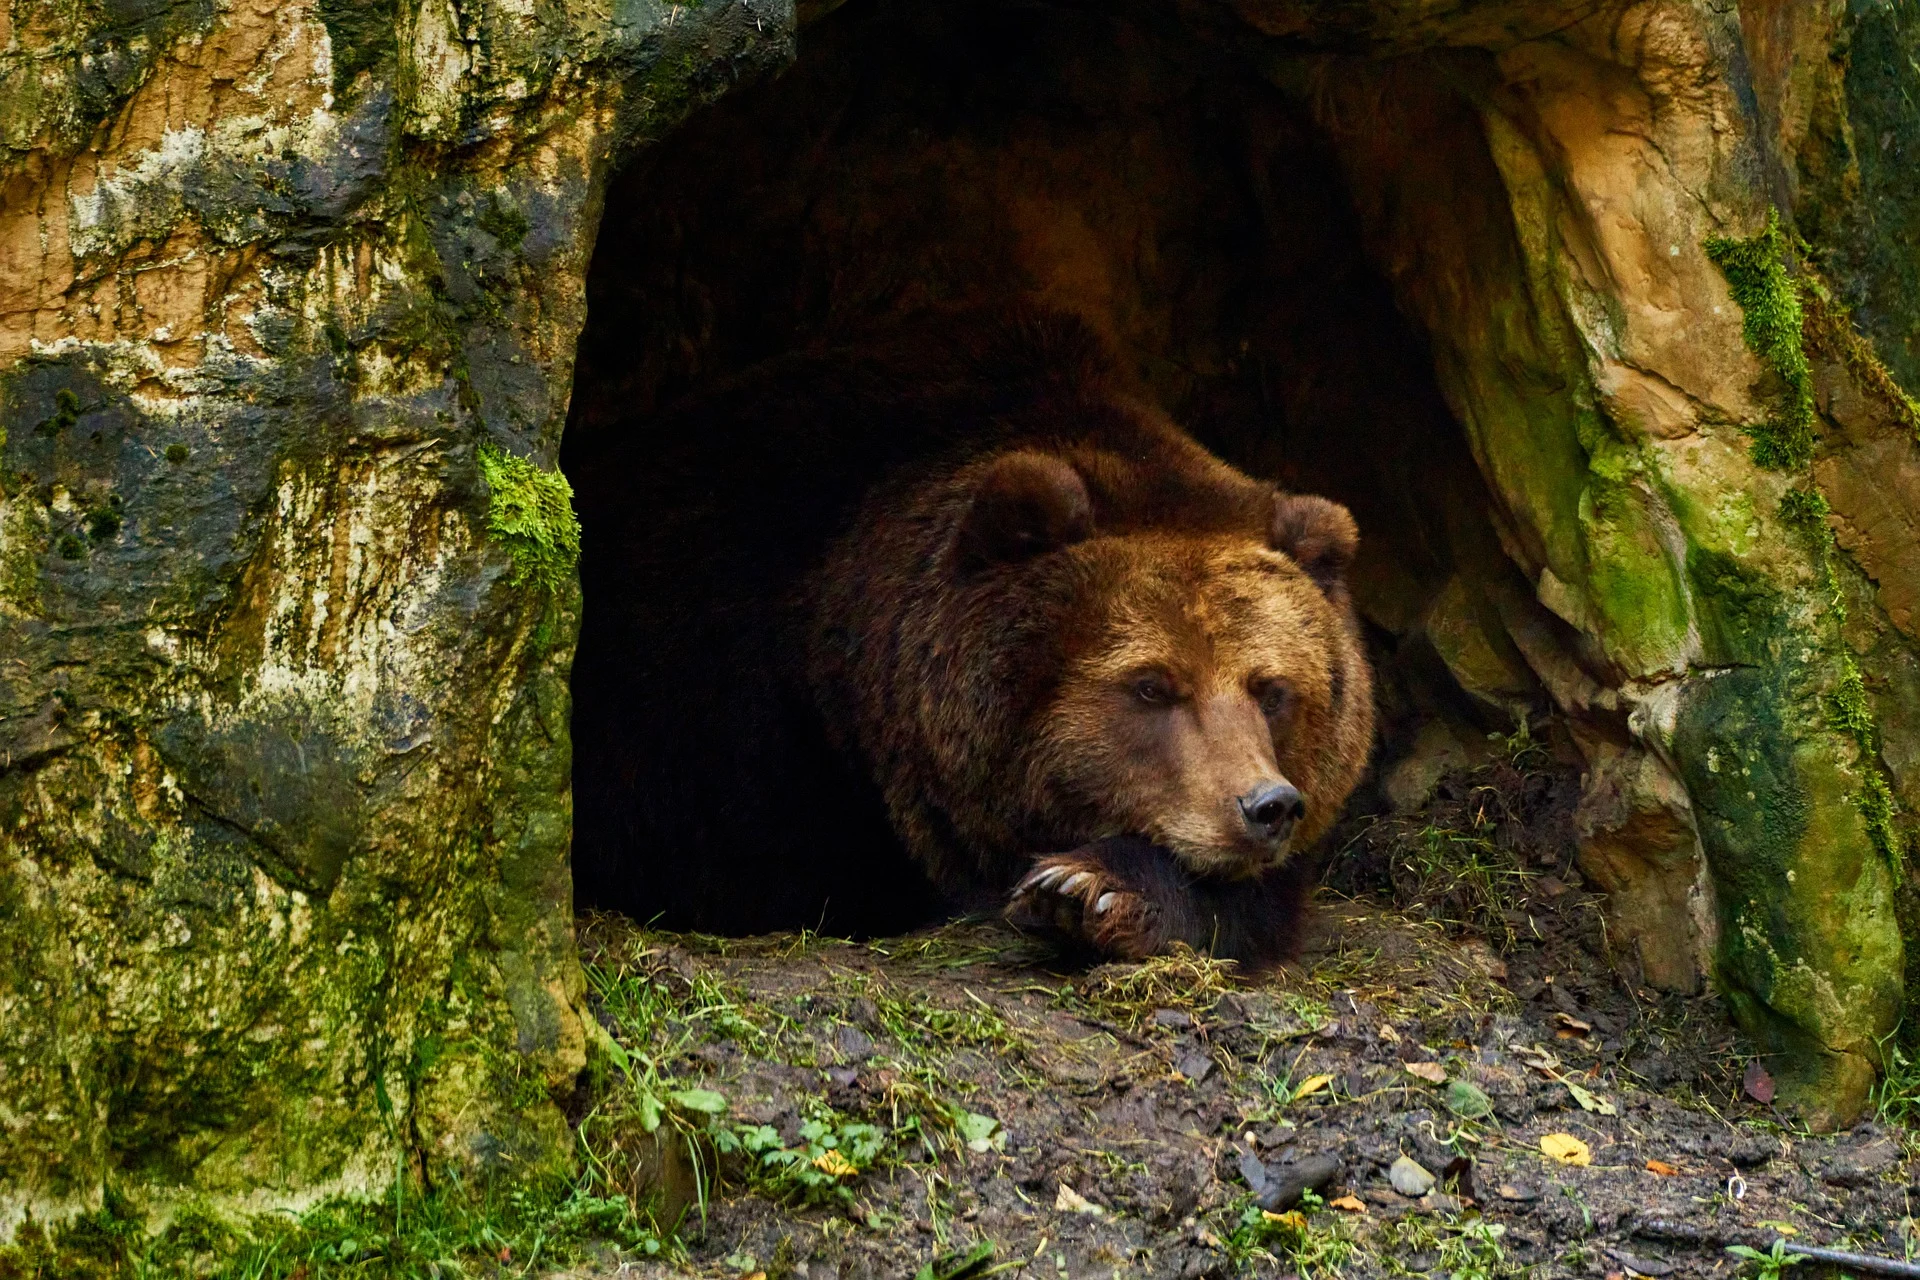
x=1271, y=809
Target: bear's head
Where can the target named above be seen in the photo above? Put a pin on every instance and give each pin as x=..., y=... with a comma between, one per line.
x=1208, y=686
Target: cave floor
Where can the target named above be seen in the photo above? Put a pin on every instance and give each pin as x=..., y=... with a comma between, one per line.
x=954, y=1104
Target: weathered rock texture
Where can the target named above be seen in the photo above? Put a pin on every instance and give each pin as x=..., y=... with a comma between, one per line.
x=284, y=899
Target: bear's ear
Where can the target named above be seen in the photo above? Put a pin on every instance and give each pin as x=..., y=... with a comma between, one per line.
x=1320, y=535
x=1025, y=504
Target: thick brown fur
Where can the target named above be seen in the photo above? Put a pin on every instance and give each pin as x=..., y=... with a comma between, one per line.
x=945, y=619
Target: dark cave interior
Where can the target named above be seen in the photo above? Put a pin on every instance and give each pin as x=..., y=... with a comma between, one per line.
x=1118, y=165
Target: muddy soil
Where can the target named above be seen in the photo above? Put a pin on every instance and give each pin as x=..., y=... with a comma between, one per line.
x=954, y=1104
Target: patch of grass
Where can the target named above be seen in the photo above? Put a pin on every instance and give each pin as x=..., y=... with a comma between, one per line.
x=1464, y=877
x=1306, y=1240
x=1896, y=1095
x=1461, y=1248
x=1183, y=979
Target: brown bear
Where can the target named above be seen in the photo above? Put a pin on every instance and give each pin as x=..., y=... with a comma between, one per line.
x=946, y=620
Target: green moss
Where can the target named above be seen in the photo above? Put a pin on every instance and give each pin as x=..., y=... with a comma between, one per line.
x=1805, y=509
x=176, y=453
x=1849, y=706
x=66, y=412
x=499, y=219
x=1830, y=333
x=531, y=512
x=1775, y=330
x=1740, y=611
x=417, y=1231
x=360, y=36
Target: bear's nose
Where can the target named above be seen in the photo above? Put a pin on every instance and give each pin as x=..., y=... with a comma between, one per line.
x=1271, y=809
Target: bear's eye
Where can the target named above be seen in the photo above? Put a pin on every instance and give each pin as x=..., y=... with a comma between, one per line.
x=1275, y=698
x=1154, y=690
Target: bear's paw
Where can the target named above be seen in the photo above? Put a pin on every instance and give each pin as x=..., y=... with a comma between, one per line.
x=1078, y=902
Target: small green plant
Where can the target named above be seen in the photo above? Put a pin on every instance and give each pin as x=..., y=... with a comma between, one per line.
x=1466, y=1249
x=832, y=1151
x=1768, y=1265
x=1466, y=877
x=1522, y=750
x=1473, y=1251
x=1896, y=1095
x=531, y=512
x=962, y=1264
x=1294, y=1238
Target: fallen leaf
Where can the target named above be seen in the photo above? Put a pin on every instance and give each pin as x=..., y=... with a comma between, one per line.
x=1784, y=1228
x=1292, y=1219
x=1071, y=1201
x=1431, y=1072
x=1590, y=1101
x=1388, y=1034
x=1662, y=1168
x=1540, y=1060
x=1573, y=1024
x=1467, y=1101
x=1312, y=1084
x=835, y=1165
x=1348, y=1204
x=1566, y=1148
x=980, y=1133
x=1758, y=1085
x=705, y=1101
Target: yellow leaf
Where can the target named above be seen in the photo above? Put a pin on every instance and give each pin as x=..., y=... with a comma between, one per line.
x=835, y=1165
x=1071, y=1201
x=1312, y=1084
x=1431, y=1072
x=1784, y=1228
x=1566, y=1148
x=1292, y=1219
x=1348, y=1204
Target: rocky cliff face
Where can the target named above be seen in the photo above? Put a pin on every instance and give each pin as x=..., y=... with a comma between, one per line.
x=289, y=298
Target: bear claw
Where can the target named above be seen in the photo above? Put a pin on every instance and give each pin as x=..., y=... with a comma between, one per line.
x=1071, y=901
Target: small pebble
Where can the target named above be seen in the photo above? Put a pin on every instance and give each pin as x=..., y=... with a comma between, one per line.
x=1195, y=1066
x=1410, y=1178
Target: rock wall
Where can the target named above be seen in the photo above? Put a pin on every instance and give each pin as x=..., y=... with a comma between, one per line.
x=288, y=303
x=284, y=897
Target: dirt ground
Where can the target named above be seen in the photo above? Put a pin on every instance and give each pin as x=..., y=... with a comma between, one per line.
x=957, y=1104
x=948, y=1104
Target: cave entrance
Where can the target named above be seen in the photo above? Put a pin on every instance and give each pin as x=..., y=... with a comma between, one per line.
x=1116, y=163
